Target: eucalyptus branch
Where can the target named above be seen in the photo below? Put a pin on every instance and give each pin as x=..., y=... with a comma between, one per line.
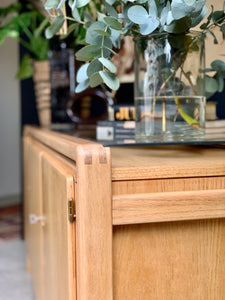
x=72, y=19
x=67, y=18
x=102, y=45
x=189, y=80
x=162, y=87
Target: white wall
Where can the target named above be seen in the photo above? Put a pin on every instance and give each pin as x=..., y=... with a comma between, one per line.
x=10, y=177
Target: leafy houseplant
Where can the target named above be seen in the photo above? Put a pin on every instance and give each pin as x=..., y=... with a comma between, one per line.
x=116, y=19
x=26, y=26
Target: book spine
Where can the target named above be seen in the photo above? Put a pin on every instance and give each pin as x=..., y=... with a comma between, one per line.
x=111, y=131
x=117, y=124
x=121, y=113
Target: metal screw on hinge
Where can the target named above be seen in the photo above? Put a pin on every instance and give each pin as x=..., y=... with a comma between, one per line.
x=71, y=210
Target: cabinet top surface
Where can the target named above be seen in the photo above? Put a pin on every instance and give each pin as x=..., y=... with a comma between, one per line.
x=167, y=161
x=139, y=162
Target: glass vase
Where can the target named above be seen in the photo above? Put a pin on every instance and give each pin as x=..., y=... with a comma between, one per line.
x=169, y=87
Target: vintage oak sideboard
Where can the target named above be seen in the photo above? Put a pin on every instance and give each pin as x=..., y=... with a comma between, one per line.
x=123, y=223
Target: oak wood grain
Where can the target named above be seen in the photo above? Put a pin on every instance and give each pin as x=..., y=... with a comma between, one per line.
x=32, y=197
x=139, y=163
x=156, y=254
x=93, y=210
x=172, y=260
x=59, y=233
x=172, y=206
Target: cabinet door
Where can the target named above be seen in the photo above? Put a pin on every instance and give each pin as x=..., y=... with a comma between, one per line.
x=59, y=232
x=32, y=170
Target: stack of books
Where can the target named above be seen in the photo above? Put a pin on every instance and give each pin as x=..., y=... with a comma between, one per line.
x=215, y=130
x=120, y=127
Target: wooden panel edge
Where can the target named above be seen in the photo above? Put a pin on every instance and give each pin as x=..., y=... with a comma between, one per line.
x=169, y=206
x=94, y=224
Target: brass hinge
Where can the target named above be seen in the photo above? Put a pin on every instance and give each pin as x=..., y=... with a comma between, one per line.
x=71, y=210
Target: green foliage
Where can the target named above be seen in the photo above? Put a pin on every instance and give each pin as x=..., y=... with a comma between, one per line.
x=106, y=22
x=27, y=27
x=215, y=83
x=26, y=68
x=55, y=26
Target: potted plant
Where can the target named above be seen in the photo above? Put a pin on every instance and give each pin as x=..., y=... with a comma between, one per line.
x=26, y=25
x=145, y=19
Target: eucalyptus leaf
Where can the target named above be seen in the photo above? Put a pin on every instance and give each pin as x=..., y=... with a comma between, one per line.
x=189, y=2
x=164, y=14
x=55, y=27
x=115, y=38
x=152, y=9
x=208, y=70
x=61, y=3
x=149, y=26
x=88, y=17
x=81, y=3
x=107, y=64
x=196, y=20
x=170, y=18
x=88, y=52
x=72, y=4
x=82, y=86
x=111, y=10
x=125, y=12
x=180, y=9
x=218, y=65
x=111, y=51
x=82, y=73
x=141, y=1
x=94, y=67
x=102, y=32
x=215, y=41
x=137, y=14
x=113, y=23
x=217, y=15
x=70, y=29
x=92, y=36
x=107, y=46
x=76, y=14
x=139, y=17
x=101, y=17
x=49, y=4
x=178, y=26
x=110, y=80
x=95, y=80
x=211, y=85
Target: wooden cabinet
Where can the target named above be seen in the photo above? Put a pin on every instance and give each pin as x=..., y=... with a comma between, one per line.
x=50, y=237
x=149, y=221
x=58, y=188
x=32, y=169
